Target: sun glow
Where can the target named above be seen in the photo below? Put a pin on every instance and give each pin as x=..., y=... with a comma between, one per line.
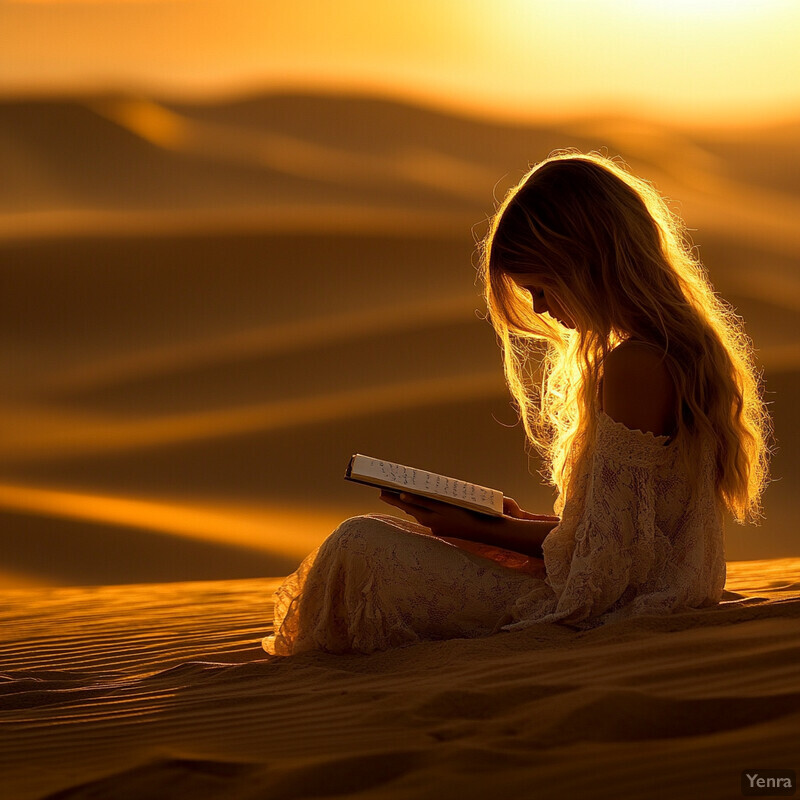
x=693, y=61
x=703, y=8
x=733, y=61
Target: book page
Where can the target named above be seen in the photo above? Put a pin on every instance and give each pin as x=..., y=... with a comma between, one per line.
x=418, y=480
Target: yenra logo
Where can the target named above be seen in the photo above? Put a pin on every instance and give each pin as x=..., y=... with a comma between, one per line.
x=768, y=782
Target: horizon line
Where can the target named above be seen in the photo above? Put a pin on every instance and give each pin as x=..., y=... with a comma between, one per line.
x=495, y=113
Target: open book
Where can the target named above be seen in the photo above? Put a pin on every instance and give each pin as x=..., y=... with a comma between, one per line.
x=396, y=477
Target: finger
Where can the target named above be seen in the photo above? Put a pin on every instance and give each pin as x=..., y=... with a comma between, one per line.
x=420, y=514
x=418, y=501
x=391, y=499
x=510, y=504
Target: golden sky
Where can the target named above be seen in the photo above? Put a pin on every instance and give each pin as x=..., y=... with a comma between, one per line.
x=700, y=61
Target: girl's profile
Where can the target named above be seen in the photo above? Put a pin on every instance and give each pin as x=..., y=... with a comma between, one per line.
x=637, y=386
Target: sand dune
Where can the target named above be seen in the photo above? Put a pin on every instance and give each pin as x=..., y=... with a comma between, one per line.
x=319, y=217
x=123, y=534
x=294, y=336
x=162, y=690
x=293, y=155
x=276, y=150
x=190, y=367
x=207, y=308
x=52, y=435
x=45, y=550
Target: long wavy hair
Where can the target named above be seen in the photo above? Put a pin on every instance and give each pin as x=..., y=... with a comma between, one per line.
x=606, y=246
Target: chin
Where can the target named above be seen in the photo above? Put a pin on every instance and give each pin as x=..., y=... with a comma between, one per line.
x=566, y=323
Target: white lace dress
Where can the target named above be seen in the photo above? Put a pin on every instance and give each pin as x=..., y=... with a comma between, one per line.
x=628, y=543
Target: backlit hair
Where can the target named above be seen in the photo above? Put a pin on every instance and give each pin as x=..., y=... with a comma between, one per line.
x=605, y=244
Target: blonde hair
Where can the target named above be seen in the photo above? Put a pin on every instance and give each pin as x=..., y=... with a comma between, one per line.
x=605, y=244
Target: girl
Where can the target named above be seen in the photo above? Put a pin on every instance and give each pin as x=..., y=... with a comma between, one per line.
x=647, y=413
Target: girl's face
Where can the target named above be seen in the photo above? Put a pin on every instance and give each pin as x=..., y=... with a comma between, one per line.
x=543, y=300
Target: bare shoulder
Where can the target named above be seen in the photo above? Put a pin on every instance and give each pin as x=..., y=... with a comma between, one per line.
x=638, y=390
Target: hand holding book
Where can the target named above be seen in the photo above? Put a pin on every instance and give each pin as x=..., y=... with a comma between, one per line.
x=442, y=519
x=456, y=510
x=450, y=522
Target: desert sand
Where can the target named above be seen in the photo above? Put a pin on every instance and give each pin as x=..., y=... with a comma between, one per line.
x=163, y=691
x=205, y=310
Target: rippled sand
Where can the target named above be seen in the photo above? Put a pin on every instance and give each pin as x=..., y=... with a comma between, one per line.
x=162, y=690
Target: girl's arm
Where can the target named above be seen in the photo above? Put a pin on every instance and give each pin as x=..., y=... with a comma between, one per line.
x=509, y=532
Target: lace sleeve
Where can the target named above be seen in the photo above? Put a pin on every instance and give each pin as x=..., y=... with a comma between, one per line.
x=605, y=546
